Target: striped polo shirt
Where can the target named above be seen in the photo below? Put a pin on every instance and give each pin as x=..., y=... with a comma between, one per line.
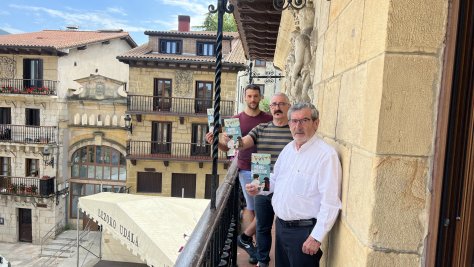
x=271, y=139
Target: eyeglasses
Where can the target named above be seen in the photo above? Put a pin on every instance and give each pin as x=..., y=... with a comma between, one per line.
x=303, y=121
x=273, y=105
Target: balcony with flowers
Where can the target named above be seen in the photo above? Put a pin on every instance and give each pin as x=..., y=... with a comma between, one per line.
x=28, y=87
x=27, y=186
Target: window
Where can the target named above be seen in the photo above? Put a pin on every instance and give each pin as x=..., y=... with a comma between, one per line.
x=5, y=116
x=170, y=46
x=99, y=163
x=149, y=182
x=199, y=146
x=32, y=72
x=161, y=94
x=31, y=167
x=260, y=63
x=205, y=48
x=160, y=137
x=5, y=166
x=262, y=89
x=78, y=190
x=203, y=96
x=32, y=117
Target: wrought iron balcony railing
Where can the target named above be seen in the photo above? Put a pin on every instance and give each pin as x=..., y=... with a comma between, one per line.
x=28, y=86
x=27, y=186
x=175, y=105
x=27, y=134
x=214, y=239
x=170, y=150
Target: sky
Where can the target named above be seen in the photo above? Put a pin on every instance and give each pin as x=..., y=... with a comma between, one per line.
x=133, y=16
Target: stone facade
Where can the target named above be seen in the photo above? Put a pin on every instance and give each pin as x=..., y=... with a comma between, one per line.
x=169, y=93
x=374, y=74
x=183, y=85
x=270, y=85
x=56, y=111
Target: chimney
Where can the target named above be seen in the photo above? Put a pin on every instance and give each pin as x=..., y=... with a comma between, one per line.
x=183, y=23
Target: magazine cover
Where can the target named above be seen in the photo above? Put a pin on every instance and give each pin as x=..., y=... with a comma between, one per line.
x=232, y=129
x=210, y=119
x=260, y=171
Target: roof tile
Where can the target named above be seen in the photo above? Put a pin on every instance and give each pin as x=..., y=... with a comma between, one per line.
x=144, y=52
x=60, y=39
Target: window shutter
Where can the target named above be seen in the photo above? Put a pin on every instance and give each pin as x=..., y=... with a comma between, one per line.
x=199, y=49
x=178, y=47
x=162, y=46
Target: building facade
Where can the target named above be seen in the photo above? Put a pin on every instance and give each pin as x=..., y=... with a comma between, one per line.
x=38, y=71
x=172, y=84
x=393, y=83
x=262, y=73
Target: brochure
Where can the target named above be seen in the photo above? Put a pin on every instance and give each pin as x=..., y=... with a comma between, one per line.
x=232, y=129
x=210, y=119
x=260, y=171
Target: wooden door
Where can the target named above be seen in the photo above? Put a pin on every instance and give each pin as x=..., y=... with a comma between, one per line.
x=87, y=222
x=160, y=137
x=183, y=185
x=32, y=73
x=455, y=244
x=25, y=231
x=207, y=189
x=162, y=95
x=199, y=146
x=203, y=96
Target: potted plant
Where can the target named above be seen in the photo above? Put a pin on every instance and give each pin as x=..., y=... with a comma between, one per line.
x=33, y=189
x=12, y=188
x=22, y=187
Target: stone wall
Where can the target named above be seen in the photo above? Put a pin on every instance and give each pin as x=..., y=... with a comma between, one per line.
x=43, y=218
x=374, y=73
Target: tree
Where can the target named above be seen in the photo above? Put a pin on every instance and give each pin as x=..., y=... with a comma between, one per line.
x=210, y=23
x=264, y=105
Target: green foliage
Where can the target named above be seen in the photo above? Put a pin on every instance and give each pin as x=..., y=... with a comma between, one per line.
x=210, y=23
x=264, y=105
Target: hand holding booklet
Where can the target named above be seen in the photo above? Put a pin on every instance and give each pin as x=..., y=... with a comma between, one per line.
x=260, y=171
x=232, y=129
x=210, y=119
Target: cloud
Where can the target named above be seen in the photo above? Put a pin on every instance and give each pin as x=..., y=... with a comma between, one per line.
x=167, y=24
x=92, y=20
x=10, y=29
x=197, y=10
x=193, y=6
x=116, y=10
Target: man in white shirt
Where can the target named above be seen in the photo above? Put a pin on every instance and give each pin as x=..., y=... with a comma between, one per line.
x=306, y=191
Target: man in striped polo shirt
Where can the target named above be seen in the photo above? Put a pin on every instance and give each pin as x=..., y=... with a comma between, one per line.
x=270, y=138
x=249, y=118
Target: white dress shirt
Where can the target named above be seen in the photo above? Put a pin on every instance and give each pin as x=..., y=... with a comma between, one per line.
x=306, y=184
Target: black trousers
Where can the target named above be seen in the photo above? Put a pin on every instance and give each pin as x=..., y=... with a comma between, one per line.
x=289, y=246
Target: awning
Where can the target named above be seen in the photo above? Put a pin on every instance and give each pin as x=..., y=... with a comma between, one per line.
x=151, y=227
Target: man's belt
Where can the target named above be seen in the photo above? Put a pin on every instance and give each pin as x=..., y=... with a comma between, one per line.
x=298, y=223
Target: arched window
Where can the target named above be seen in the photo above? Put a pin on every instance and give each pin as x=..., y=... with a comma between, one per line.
x=99, y=163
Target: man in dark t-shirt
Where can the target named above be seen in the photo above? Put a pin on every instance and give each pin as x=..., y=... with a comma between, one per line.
x=249, y=118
